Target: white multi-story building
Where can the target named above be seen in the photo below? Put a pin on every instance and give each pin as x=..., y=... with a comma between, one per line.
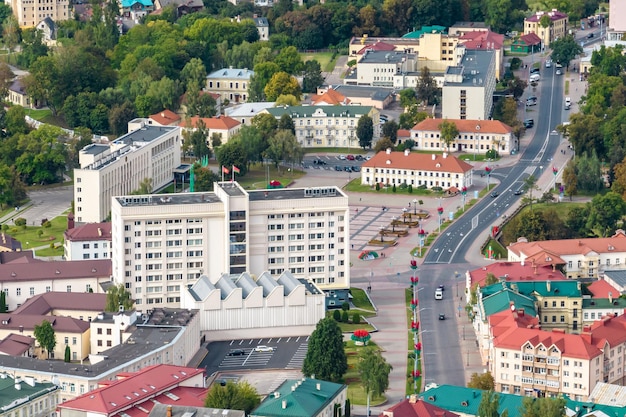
x=162, y=244
x=469, y=86
x=89, y=241
x=151, y=152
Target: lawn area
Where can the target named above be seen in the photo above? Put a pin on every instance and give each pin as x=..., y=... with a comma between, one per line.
x=360, y=299
x=255, y=179
x=324, y=58
x=356, y=393
x=356, y=187
x=38, y=114
x=562, y=209
x=57, y=251
x=29, y=235
x=499, y=251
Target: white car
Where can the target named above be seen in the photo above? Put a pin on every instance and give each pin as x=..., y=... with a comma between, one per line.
x=548, y=63
x=342, y=157
x=263, y=348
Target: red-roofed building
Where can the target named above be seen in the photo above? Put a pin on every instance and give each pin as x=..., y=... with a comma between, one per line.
x=486, y=40
x=330, y=98
x=89, y=241
x=416, y=169
x=475, y=136
x=135, y=394
x=164, y=118
x=17, y=345
x=526, y=44
x=602, y=289
x=582, y=258
x=416, y=407
x=222, y=126
x=403, y=135
x=556, y=30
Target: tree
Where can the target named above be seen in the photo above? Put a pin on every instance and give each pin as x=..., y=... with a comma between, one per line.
x=489, y=404
x=543, y=407
x=233, y=396
x=374, y=371
x=284, y=146
x=383, y=145
x=287, y=100
x=411, y=116
x=6, y=79
x=326, y=357
x=427, y=90
x=517, y=86
x=197, y=140
x=531, y=185
x=545, y=22
x=286, y=123
x=489, y=280
x=565, y=49
x=118, y=296
x=45, y=336
x=312, y=77
x=11, y=33
x=233, y=153
x=570, y=179
x=204, y=178
x=408, y=97
x=482, y=381
x=145, y=187
x=365, y=131
x=289, y=60
x=68, y=354
x=449, y=132
x=282, y=83
x=390, y=130
x=3, y=302
x=194, y=72
x=605, y=211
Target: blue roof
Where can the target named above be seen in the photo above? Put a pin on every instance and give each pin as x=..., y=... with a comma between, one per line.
x=129, y=3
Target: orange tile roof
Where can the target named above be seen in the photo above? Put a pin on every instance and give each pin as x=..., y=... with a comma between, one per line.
x=531, y=39
x=426, y=162
x=486, y=126
x=416, y=408
x=515, y=271
x=404, y=133
x=615, y=243
x=501, y=322
x=601, y=289
x=165, y=117
x=213, y=123
x=332, y=97
x=611, y=330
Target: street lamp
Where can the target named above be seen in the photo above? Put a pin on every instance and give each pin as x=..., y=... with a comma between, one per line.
x=393, y=223
x=476, y=141
x=464, y=194
x=404, y=210
x=555, y=171
x=488, y=172
x=415, y=206
x=439, y=212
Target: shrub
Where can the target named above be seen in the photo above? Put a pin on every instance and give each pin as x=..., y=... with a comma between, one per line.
x=516, y=63
x=39, y=233
x=20, y=221
x=492, y=154
x=345, y=306
x=437, y=189
x=345, y=317
x=51, y=245
x=47, y=224
x=356, y=318
x=421, y=187
x=393, y=188
x=377, y=187
x=410, y=189
x=403, y=186
x=337, y=315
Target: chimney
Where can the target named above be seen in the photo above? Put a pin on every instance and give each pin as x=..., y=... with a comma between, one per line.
x=407, y=152
x=284, y=404
x=18, y=384
x=520, y=312
x=413, y=399
x=522, y=262
x=168, y=413
x=610, y=297
x=548, y=285
x=70, y=221
x=388, y=151
x=162, y=114
x=99, y=232
x=318, y=386
x=445, y=155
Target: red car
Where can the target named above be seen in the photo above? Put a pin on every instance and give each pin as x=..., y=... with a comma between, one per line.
x=351, y=157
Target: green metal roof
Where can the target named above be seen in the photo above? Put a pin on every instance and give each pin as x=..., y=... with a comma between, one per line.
x=416, y=34
x=500, y=301
x=530, y=288
x=459, y=399
x=604, y=303
x=300, y=397
x=329, y=111
x=10, y=397
x=129, y=3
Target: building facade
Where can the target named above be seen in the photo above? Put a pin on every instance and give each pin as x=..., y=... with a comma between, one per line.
x=556, y=29
x=222, y=127
x=89, y=241
x=468, y=88
x=323, y=126
x=29, y=13
x=418, y=170
x=378, y=68
x=231, y=83
x=151, y=152
x=162, y=244
x=25, y=396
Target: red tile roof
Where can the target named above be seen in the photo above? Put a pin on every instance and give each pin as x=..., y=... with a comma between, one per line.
x=404, y=134
x=89, y=232
x=615, y=243
x=426, y=162
x=213, y=123
x=416, y=408
x=331, y=97
x=609, y=330
x=44, y=303
x=132, y=389
x=165, y=118
x=187, y=396
x=486, y=126
x=531, y=39
x=482, y=39
x=16, y=344
x=554, y=15
x=55, y=270
x=504, y=320
x=601, y=289
x=378, y=46
x=29, y=321
x=515, y=271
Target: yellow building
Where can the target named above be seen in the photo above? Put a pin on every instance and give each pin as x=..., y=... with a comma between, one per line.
x=31, y=12
x=556, y=30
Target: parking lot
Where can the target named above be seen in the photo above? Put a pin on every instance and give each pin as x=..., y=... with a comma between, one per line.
x=248, y=354
x=335, y=162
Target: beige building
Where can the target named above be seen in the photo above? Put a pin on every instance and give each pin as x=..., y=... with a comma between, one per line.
x=232, y=84
x=18, y=96
x=556, y=30
x=475, y=136
x=151, y=152
x=164, y=243
x=25, y=396
x=31, y=12
x=222, y=127
x=378, y=68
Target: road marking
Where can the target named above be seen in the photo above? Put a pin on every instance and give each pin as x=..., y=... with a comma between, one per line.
x=475, y=221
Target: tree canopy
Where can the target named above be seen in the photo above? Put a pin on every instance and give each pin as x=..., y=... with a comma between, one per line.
x=45, y=336
x=373, y=370
x=233, y=396
x=118, y=296
x=326, y=357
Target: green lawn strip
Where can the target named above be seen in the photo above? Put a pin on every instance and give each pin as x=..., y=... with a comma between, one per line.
x=325, y=59
x=256, y=178
x=500, y=251
x=356, y=393
x=38, y=114
x=566, y=87
x=360, y=299
x=356, y=187
x=29, y=235
x=57, y=251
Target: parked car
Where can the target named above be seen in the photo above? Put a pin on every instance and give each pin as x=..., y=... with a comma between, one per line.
x=558, y=71
x=528, y=123
x=356, y=168
x=568, y=103
x=494, y=194
x=535, y=70
x=548, y=63
x=442, y=316
x=263, y=348
x=350, y=157
x=342, y=157
x=338, y=168
x=359, y=157
x=438, y=294
x=347, y=169
x=589, y=36
x=237, y=352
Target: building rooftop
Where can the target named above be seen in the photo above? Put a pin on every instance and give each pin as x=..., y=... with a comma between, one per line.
x=602, y=289
x=95, y=149
x=376, y=93
x=385, y=57
x=165, y=117
x=515, y=271
x=464, y=126
x=475, y=64
x=504, y=299
x=416, y=34
x=418, y=161
x=231, y=73
x=378, y=46
x=22, y=321
x=160, y=410
x=567, y=288
x=16, y=344
x=12, y=397
x=9, y=243
x=295, y=193
x=247, y=109
x=43, y=304
x=21, y=257
x=55, y=270
x=167, y=199
x=618, y=276
x=261, y=22
x=608, y=394
x=482, y=39
x=554, y=15
x=415, y=406
x=232, y=188
x=321, y=111
x=213, y=123
x=89, y=232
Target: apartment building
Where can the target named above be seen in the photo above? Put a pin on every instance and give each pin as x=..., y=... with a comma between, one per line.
x=378, y=68
x=151, y=152
x=581, y=258
x=231, y=83
x=556, y=29
x=475, y=136
x=222, y=127
x=616, y=26
x=468, y=87
x=486, y=40
x=89, y=241
x=162, y=244
x=25, y=396
x=112, y=329
x=323, y=126
x=31, y=12
x=417, y=170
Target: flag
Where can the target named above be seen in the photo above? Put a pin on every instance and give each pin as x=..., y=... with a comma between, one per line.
x=225, y=170
x=235, y=169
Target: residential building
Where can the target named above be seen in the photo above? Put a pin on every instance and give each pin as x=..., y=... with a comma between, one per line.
x=183, y=7
x=48, y=30
x=163, y=410
x=236, y=304
x=378, y=68
x=164, y=118
x=165, y=336
x=23, y=278
x=616, y=26
x=151, y=152
x=475, y=136
x=468, y=88
x=158, y=384
x=112, y=329
x=415, y=406
x=18, y=345
x=324, y=126
x=222, y=127
x=581, y=258
x=304, y=397
x=245, y=112
x=461, y=28
x=135, y=10
x=9, y=244
x=486, y=40
x=29, y=13
x=231, y=83
x=529, y=43
x=25, y=396
x=417, y=169
x=17, y=95
x=76, y=305
x=361, y=95
x=556, y=29
x=263, y=26
x=329, y=97
x=89, y=241
x=231, y=230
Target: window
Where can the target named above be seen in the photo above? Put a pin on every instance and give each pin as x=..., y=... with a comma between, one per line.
x=32, y=291
x=99, y=330
x=18, y=291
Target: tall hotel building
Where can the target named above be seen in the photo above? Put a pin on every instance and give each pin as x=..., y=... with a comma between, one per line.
x=163, y=243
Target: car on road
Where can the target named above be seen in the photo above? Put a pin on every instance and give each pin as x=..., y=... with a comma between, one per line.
x=528, y=123
x=519, y=191
x=589, y=36
x=338, y=168
x=237, y=352
x=531, y=101
x=350, y=157
x=559, y=72
x=568, y=103
x=535, y=70
x=548, y=63
x=494, y=194
x=438, y=294
x=442, y=316
x=342, y=157
x=263, y=348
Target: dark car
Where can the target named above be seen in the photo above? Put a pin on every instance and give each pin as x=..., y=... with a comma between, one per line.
x=347, y=169
x=338, y=168
x=237, y=352
x=590, y=36
x=442, y=317
x=441, y=287
x=519, y=191
x=359, y=157
x=494, y=194
x=528, y=123
x=355, y=168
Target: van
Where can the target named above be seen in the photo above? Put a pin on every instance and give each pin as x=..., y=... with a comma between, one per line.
x=438, y=294
x=568, y=103
x=535, y=78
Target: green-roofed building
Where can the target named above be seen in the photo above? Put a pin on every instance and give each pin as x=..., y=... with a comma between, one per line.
x=136, y=9
x=503, y=300
x=465, y=401
x=416, y=34
x=304, y=397
x=327, y=126
x=19, y=397
x=596, y=308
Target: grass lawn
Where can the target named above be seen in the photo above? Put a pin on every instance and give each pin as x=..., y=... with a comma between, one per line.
x=29, y=236
x=255, y=179
x=566, y=87
x=38, y=114
x=360, y=300
x=499, y=251
x=356, y=186
x=356, y=393
x=327, y=63
x=562, y=209
x=57, y=251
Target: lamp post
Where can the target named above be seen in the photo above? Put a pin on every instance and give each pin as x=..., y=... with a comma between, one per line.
x=415, y=206
x=404, y=210
x=464, y=194
x=417, y=347
x=555, y=171
x=393, y=223
x=456, y=277
x=488, y=172
x=439, y=212
x=476, y=141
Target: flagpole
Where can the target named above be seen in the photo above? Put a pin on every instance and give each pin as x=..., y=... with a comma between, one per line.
x=232, y=178
x=222, y=169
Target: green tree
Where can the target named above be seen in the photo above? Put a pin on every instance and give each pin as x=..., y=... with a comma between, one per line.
x=233, y=153
x=196, y=139
x=530, y=183
x=390, y=130
x=383, y=145
x=10, y=34
x=204, y=178
x=489, y=280
x=312, y=77
x=411, y=116
x=118, y=296
x=605, y=211
x=145, y=187
x=287, y=100
x=576, y=221
x=408, y=97
x=543, y=407
x=289, y=60
x=427, y=90
x=374, y=372
x=517, y=86
x=263, y=73
x=45, y=336
x=365, y=131
x=233, y=396
x=284, y=146
x=565, y=49
x=194, y=72
x=489, y=404
x=254, y=142
x=570, y=179
x=326, y=357
x=68, y=354
x=6, y=79
x=448, y=132
x=286, y=123
x=485, y=380
x=282, y=83
x=608, y=61
x=3, y=302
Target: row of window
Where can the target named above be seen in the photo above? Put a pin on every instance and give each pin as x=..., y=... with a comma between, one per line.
x=413, y=173
x=31, y=290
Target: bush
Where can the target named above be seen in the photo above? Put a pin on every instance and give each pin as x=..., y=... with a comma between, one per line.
x=47, y=224
x=403, y=186
x=345, y=317
x=356, y=318
x=345, y=306
x=393, y=188
x=39, y=233
x=437, y=189
x=20, y=221
x=51, y=245
x=337, y=315
x=421, y=187
x=516, y=63
x=377, y=187
x=410, y=189
x=492, y=154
